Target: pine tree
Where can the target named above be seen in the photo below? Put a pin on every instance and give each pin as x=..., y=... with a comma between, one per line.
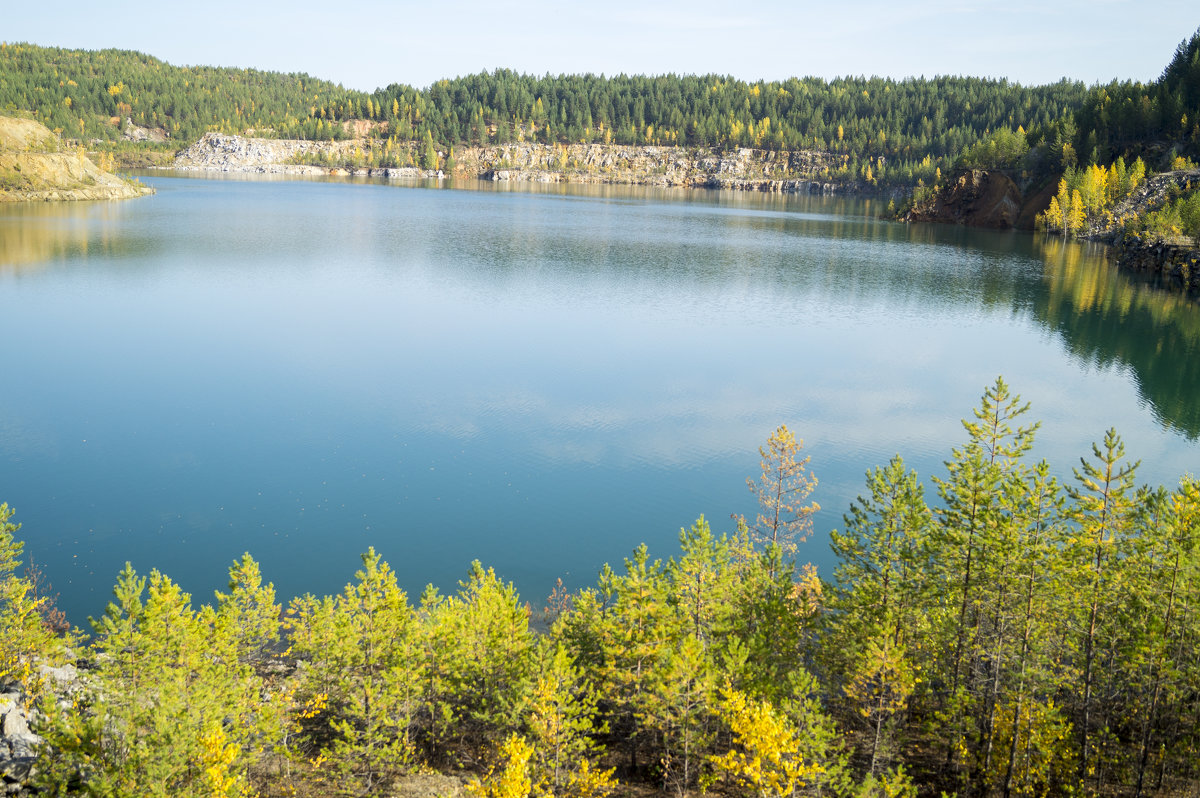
x=363, y=654
x=970, y=523
x=249, y=613
x=479, y=655
x=783, y=519
x=1101, y=506
x=161, y=691
x=561, y=719
x=24, y=637
x=878, y=608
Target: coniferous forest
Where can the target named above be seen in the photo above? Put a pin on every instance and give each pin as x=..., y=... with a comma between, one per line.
x=883, y=131
x=994, y=631
x=902, y=130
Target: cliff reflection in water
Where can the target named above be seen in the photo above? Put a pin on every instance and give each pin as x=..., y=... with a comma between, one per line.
x=1107, y=317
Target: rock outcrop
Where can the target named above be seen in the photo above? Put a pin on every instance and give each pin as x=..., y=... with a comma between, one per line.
x=132, y=132
x=224, y=153
x=1149, y=196
x=743, y=169
x=976, y=198
x=33, y=166
x=1176, y=264
x=21, y=748
x=18, y=745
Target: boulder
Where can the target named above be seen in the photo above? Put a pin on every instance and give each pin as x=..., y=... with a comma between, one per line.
x=64, y=676
x=14, y=725
x=18, y=771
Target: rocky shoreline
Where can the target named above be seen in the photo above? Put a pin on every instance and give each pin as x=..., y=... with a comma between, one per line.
x=982, y=198
x=82, y=180
x=800, y=172
x=978, y=198
x=1174, y=264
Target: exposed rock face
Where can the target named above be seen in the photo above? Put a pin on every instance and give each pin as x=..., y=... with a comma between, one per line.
x=743, y=169
x=20, y=748
x=976, y=198
x=24, y=135
x=32, y=167
x=1150, y=195
x=133, y=132
x=219, y=152
x=752, y=170
x=1176, y=264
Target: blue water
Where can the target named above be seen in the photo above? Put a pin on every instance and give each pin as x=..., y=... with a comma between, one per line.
x=538, y=379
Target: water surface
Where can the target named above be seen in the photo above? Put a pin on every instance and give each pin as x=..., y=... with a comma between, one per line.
x=539, y=379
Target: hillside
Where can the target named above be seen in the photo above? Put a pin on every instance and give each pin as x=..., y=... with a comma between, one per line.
x=876, y=131
x=1121, y=170
x=35, y=166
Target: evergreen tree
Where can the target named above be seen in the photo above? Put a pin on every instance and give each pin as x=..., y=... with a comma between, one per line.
x=364, y=661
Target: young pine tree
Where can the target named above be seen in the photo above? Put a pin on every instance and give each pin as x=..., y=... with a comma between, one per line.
x=364, y=658
x=785, y=482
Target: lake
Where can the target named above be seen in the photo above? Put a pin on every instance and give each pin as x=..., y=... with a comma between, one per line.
x=540, y=378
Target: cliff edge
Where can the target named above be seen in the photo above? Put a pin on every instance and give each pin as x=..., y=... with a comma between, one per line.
x=976, y=198
x=798, y=172
x=34, y=166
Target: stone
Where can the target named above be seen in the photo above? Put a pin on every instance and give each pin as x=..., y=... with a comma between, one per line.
x=15, y=724
x=976, y=198
x=24, y=746
x=63, y=676
x=20, y=770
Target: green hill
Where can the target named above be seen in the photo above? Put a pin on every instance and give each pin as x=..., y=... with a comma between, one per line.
x=882, y=130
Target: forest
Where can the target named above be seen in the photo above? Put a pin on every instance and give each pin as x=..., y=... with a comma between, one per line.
x=901, y=131
x=1007, y=634
x=886, y=132
x=1159, y=124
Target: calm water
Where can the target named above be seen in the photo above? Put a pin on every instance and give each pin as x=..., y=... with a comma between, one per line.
x=539, y=379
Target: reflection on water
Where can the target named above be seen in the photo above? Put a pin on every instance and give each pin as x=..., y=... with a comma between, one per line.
x=1106, y=316
x=540, y=377
x=34, y=234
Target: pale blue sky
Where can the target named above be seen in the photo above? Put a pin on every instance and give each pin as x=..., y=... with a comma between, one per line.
x=370, y=43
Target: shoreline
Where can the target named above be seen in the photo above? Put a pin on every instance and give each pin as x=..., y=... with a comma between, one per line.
x=787, y=172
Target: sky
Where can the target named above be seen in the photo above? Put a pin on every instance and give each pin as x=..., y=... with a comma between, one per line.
x=370, y=44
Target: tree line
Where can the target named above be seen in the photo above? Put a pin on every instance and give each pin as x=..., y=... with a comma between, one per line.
x=1103, y=152
x=1130, y=119
x=89, y=94
x=888, y=131
x=1011, y=635
x=885, y=132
